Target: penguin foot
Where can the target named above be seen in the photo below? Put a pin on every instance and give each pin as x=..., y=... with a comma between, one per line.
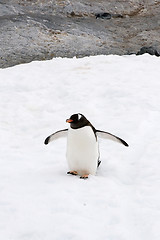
x=72, y=172
x=84, y=176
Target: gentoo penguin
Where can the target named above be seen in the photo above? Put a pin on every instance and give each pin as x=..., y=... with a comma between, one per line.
x=82, y=145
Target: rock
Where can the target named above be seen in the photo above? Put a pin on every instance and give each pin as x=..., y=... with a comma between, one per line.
x=150, y=50
x=108, y=15
x=43, y=29
x=103, y=15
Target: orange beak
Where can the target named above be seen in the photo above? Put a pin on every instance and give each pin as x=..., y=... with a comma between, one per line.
x=69, y=120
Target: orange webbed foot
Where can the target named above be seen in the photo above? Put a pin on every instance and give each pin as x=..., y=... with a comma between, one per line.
x=84, y=176
x=72, y=172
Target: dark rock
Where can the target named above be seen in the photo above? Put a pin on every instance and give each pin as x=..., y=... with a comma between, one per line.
x=103, y=15
x=150, y=50
x=106, y=15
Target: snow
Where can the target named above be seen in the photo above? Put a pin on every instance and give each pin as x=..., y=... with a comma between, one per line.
x=38, y=200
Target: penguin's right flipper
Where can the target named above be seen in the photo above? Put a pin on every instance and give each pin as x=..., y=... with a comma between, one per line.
x=56, y=135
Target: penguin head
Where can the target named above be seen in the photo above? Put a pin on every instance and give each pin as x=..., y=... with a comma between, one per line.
x=77, y=120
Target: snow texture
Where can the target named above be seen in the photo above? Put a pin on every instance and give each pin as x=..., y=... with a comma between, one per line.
x=38, y=200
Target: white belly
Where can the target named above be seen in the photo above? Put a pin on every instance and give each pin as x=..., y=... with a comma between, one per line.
x=82, y=150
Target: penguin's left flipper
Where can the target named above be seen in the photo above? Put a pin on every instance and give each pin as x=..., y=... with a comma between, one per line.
x=110, y=136
x=56, y=135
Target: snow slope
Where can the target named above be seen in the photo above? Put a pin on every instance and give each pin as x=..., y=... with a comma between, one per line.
x=38, y=201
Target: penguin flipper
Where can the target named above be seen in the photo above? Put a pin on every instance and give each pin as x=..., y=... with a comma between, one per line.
x=110, y=136
x=56, y=135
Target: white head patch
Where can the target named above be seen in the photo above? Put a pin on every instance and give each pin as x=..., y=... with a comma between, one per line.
x=79, y=116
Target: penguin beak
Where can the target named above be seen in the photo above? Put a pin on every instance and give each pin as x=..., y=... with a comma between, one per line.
x=69, y=120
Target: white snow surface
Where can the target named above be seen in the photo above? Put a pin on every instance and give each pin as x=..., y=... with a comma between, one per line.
x=38, y=200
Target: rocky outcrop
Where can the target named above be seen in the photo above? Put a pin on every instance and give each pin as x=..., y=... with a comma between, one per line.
x=43, y=29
